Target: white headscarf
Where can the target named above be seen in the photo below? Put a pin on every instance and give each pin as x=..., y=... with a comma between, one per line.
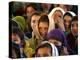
x=51, y=20
x=72, y=13
x=54, y=49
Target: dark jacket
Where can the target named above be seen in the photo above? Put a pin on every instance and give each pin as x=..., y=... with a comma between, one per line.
x=72, y=43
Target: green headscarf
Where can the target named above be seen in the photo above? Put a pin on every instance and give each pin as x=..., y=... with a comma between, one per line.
x=20, y=21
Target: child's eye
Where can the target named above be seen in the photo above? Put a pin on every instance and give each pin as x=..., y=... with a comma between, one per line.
x=34, y=21
x=72, y=25
x=60, y=16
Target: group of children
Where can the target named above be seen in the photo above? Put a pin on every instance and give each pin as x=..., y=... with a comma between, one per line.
x=49, y=31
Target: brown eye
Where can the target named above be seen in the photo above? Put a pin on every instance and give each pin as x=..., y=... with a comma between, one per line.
x=34, y=21
x=64, y=20
x=39, y=28
x=72, y=25
x=60, y=16
x=76, y=25
x=46, y=28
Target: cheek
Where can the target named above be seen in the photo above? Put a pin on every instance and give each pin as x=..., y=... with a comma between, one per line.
x=27, y=13
x=32, y=25
x=44, y=52
x=44, y=32
x=74, y=29
x=13, y=37
x=67, y=24
x=55, y=17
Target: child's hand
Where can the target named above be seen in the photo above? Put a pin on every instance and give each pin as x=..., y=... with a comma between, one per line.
x=60, y=23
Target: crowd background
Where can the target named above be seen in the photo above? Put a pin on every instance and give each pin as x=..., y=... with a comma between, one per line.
x=42, y=30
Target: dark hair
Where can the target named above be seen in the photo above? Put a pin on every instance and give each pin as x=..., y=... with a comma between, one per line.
x=30, y=5
x=13, y=23
x=17, y=8
x=47, y=45
x=43, y=18
x=68, y=14
x=75, y=18
x=36, y=13
x=18, y=31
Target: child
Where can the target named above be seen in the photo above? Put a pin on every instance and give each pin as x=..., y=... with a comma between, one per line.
x=56, y=19
x=33, y=23
x=67, y=20
x=46, y=49
x=16, y=43
x=43, y=25
x=72, y=37
x=39, y=33
x=30, y=9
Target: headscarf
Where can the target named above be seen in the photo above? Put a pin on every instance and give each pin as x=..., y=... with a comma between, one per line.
x=54, y=49
x=58, y=35
x=51, y=20
x=20, y=21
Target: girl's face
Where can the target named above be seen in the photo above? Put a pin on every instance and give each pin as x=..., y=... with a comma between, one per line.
x=43, y=52
x=43, y=29
x=34, y=21
x=57, y=14
x=74, y=27
x=55, y=42
x=67, y=20
x=30, y=11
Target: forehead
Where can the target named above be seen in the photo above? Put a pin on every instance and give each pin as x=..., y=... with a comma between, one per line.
x=43, y=24
x=58, y=11
x=35, y=17
x=30, y=7
x=44, y=50
x=74, y=22
x=67, y=17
